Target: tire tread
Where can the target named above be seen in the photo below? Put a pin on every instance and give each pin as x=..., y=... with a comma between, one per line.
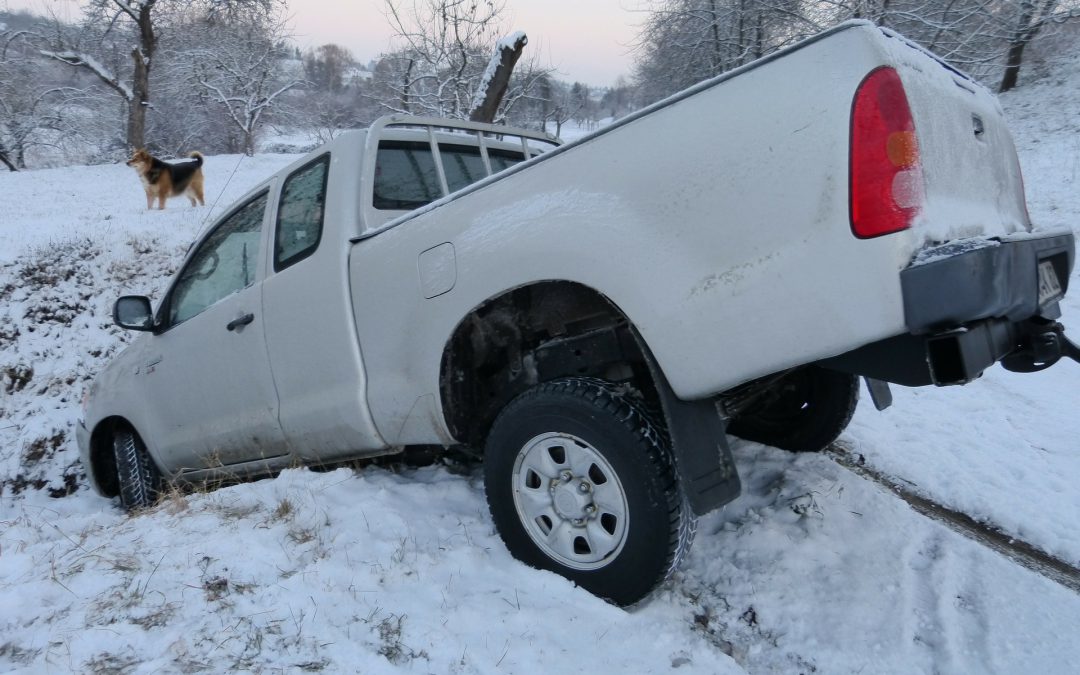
x=138, y=477
x=617, y=400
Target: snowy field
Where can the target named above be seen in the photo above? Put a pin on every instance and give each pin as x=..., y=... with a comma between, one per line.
x=813, y=570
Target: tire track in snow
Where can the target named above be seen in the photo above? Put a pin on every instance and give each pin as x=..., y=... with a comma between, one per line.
x=974, y=623
x=927, y=567
x=1017, y=550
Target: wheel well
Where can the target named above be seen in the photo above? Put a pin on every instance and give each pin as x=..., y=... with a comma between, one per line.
x=102, y=461
x=530, y=335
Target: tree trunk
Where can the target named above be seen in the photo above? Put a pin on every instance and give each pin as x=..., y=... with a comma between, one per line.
x=508, y=55
x=136, y=117
x=759, y=35
x=1031, y=19
x=143, y=57
x=1015, y=56
x=740, y=44
x=405, y=85
x=883, y=14
x=1012, y=66
x=717, y=47
x=545, y=95
x=6, y=161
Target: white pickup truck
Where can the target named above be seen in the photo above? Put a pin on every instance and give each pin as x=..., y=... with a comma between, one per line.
x=593, y=317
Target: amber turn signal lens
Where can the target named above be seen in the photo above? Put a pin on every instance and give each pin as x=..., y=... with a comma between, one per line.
x=902, y=148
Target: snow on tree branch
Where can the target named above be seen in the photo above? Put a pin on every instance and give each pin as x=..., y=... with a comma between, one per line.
x=129, y=9
x=89, y=62
x=244, y=75
x=496, y=77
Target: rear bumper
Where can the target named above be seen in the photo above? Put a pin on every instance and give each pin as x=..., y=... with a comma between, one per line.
x=968, y=305
x=967, y=282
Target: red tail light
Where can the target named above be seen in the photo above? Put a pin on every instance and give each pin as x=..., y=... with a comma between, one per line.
x=886, y=176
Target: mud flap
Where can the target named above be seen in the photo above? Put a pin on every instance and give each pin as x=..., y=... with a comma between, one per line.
x=699, y=443
x=880, y=393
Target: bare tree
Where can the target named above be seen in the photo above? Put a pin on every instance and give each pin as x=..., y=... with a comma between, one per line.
x=1029, y=18
x=139, y=21
x=619, y=99
x=33, y=110
x=30, y=118
x=327, y=67
x=443, y=49
x=582, y=104
x=564, y=104
x=685, y=41
x=442, y=52
x=241, y=71
x=986, y=38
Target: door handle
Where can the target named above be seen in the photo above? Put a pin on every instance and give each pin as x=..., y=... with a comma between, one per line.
x=240, y=321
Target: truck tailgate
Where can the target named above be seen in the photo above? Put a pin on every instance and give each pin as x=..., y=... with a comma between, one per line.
x=971, y=174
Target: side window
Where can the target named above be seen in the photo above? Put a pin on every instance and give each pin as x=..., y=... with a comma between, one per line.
x=224, y=263
x=463, y=165
x=300, y=214
x=503, y=159
x=405, y=176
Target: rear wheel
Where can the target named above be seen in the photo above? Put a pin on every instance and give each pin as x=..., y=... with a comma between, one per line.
x=581, y=482
x=804, y=411
x=139, y=480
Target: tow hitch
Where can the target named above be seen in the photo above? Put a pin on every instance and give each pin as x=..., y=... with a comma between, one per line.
x=1043, y=345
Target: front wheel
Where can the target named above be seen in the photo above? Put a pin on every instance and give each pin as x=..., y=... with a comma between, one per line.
x=139, y=479
x=581, y=482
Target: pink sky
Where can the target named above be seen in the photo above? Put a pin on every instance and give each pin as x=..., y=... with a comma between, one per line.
x=586, y=40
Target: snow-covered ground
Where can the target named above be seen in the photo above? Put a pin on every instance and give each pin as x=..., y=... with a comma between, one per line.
x=813, y=569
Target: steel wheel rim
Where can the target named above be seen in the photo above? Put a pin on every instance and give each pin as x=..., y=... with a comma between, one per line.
x=570, y=501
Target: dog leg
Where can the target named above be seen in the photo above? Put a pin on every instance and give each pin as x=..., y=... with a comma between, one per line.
x=149, y=201
x=196, y=188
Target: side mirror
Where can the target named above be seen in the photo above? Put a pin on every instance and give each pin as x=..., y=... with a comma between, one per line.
x=133, y=312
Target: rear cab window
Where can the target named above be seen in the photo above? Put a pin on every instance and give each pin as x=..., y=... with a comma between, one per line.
x=407, y=178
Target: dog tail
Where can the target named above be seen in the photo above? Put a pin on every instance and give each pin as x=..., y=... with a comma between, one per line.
x=197, y=156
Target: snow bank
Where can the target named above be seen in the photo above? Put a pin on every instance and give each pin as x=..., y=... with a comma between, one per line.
x=336, y=572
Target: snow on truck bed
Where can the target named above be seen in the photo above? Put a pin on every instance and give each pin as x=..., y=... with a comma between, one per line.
x=813, y=569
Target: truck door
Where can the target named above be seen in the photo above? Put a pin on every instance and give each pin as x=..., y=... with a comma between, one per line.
x=310, y=330
x=207, y=371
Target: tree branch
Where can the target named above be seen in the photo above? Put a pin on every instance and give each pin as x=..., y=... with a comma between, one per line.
x=81, y=60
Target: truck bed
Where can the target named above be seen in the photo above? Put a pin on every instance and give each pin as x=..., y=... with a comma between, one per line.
x=716, y=220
